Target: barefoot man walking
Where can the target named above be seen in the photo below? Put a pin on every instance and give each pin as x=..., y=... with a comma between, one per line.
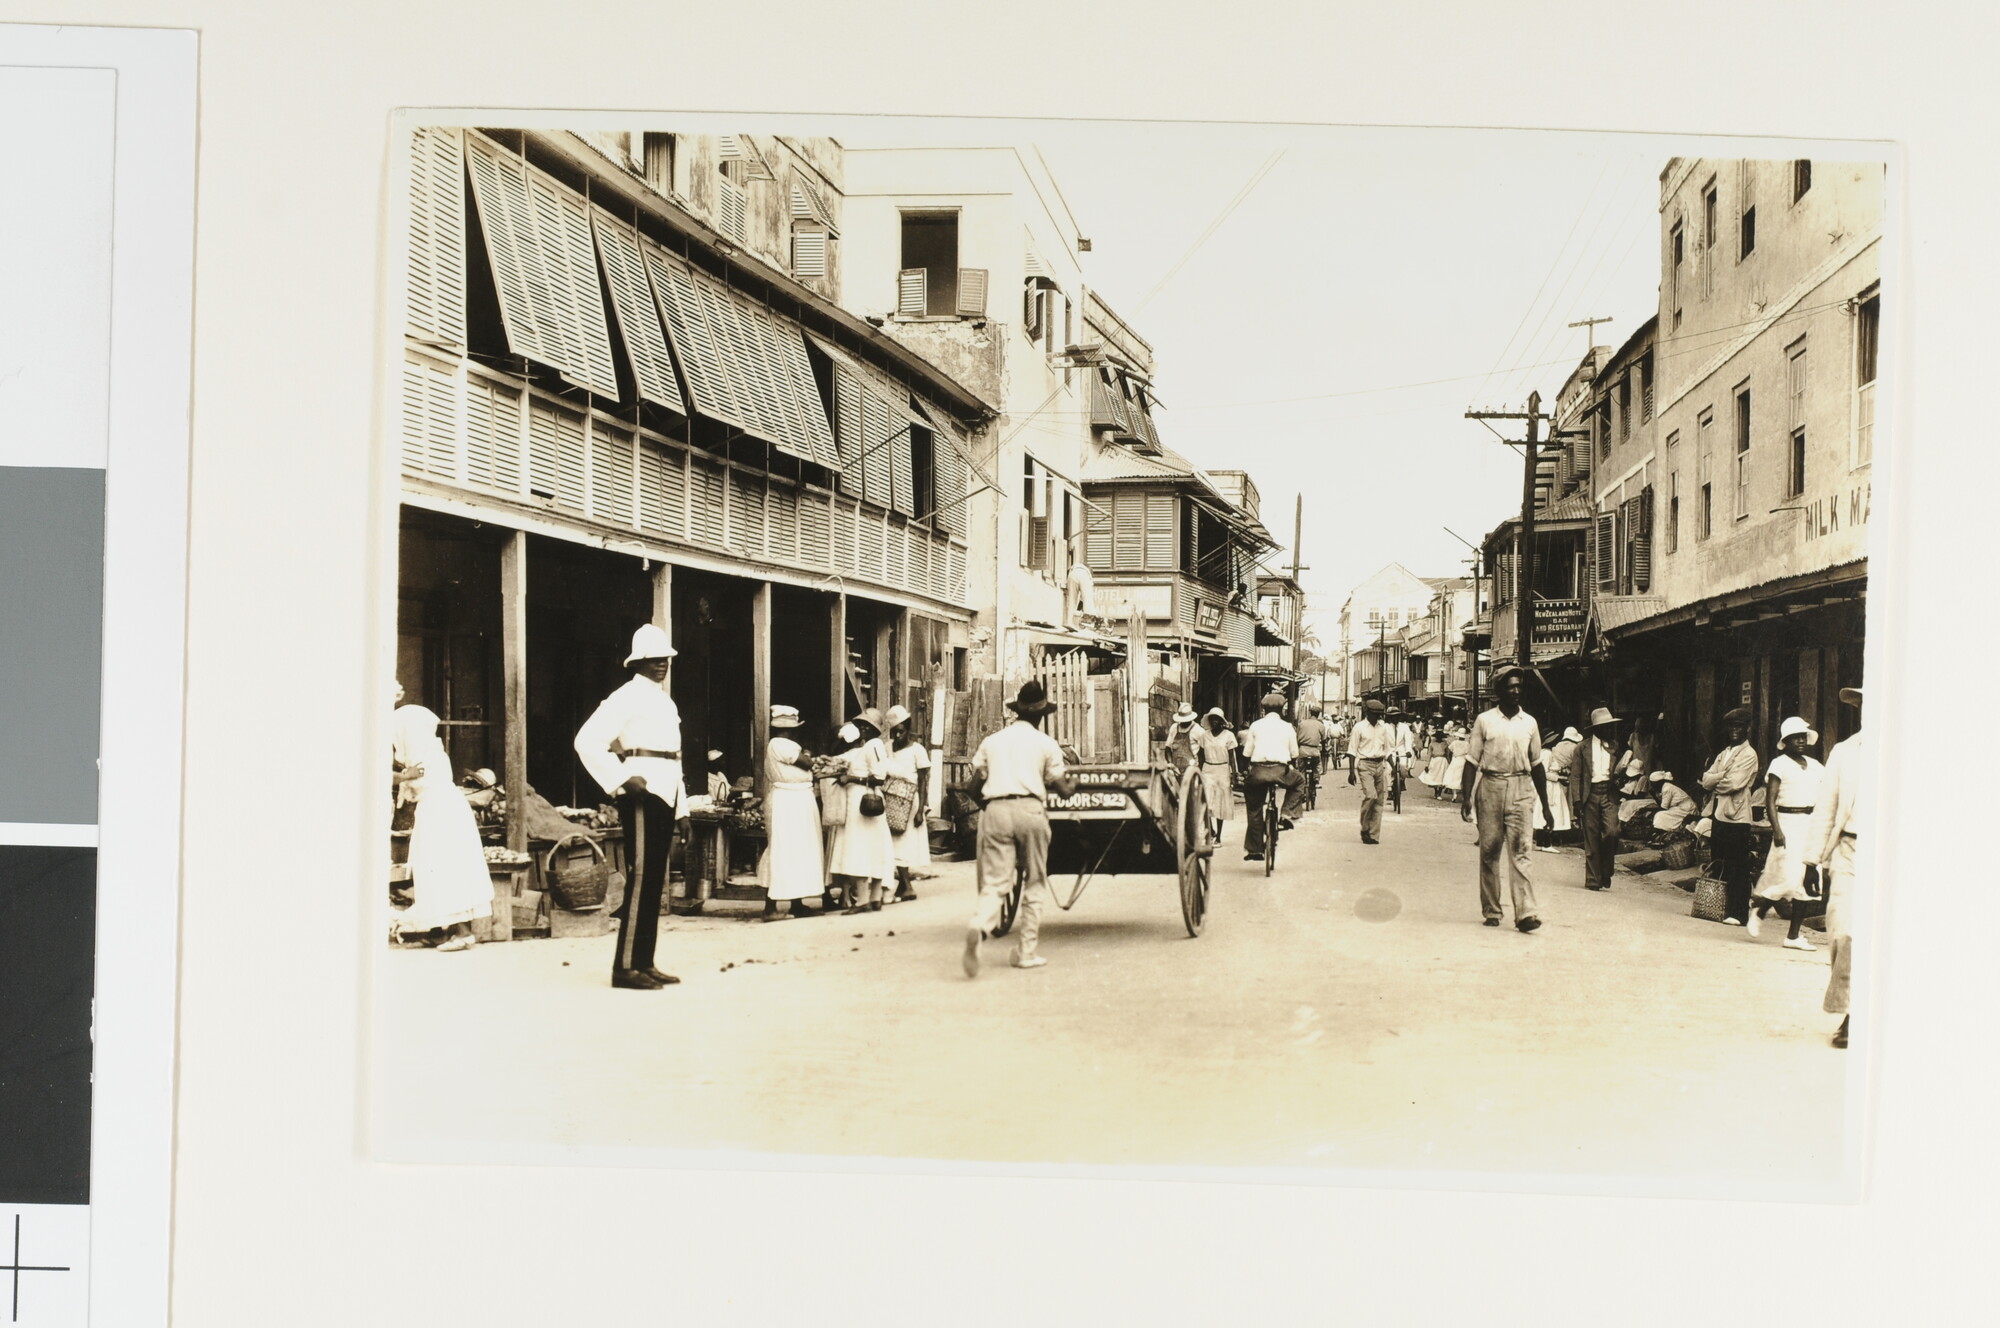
x=1013, y=771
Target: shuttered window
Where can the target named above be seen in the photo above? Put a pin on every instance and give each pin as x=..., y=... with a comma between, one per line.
x=1642, y=542
x=637, y=312
x=1607, y=550
x=555, y=455
x=493, y=435
x=850, y=428
x=815, y=530
x=1128, y=516
x=435, y=279
x=1160, y=532
x=538, y=241
x=612, y=490
x=972, y=292
x=1097, y=538
x=662, y=492
x=430, y=418
x=808, y=251
x=911, y=292
x=781, y=521
x=694, y=344
x=952, y=474
x=877, y=469
x=706, y=501
x=732, y=209
x=746, y=512
x=791, y=346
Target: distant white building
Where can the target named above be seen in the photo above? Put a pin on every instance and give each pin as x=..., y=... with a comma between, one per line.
x=1372, y=620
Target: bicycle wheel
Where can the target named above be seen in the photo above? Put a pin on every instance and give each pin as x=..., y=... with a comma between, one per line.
x=1010, y=903
x=1271, y=832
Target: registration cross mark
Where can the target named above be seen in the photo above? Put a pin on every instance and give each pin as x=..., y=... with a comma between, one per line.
x=17, y=1268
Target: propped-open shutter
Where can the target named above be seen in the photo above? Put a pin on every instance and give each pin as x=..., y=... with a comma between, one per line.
x=694, y=342
x=637, y=312
x=805, y=387
x=951, y=479
x=594, y=368
x=850, y=428
x=877, y=469
x=1607, y=550
x=910, y=292
x=506, y=219
x=902, y=466
x=972, y=292
x=435, y=279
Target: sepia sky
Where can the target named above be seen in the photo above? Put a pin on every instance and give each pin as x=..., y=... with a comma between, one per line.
x=1362, y=262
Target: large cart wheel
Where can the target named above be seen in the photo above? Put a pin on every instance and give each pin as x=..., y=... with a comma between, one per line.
x=1010, y=903
x=1197, y=852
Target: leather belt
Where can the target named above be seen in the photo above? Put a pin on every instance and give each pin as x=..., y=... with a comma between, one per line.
x=1795, y=811
x=1038, y=797
x=1502, y=774
x=647, y=751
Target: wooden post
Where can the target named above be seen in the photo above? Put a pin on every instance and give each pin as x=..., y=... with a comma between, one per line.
x=663, y=598
x=1139, y=688
x=760, y=682
x=514, y=679
x=885, y=667
x=837, y=679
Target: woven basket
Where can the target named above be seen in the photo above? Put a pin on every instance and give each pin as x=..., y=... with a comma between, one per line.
x=1709, y=902
x=577, y=883
x=1679, y=854
x=899, y=800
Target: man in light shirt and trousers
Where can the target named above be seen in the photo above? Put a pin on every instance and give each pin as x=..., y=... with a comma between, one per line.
x=1733, y=778
x=1593, y=797
x=1012, y=772
x=1832, y=840
x=1503, y=779
x=1372, y=747
x=631, y=744
x=1269, y=747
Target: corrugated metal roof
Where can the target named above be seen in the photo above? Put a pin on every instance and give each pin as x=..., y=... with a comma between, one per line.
x=1614, y=611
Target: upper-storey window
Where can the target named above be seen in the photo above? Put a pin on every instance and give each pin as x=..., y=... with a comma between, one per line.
x=657, y=161
x=930, y=283
x=1801, y=178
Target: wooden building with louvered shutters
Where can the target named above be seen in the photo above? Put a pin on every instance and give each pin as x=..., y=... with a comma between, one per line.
x=609, y=416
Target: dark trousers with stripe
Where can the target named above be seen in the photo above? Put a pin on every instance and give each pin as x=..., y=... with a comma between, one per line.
x=1598, y=815
x=649, y=845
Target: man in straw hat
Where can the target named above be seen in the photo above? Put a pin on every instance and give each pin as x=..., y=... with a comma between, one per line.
x=1593, y=797
x=1732, y=778
x=1373, y=747
x=1013, y=770
x=631, y=744
x=1502, y=781
x=1831, y=843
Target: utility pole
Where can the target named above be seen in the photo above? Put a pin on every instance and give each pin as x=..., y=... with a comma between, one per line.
x=1589, y=336
x=1472, y=655
x=1298, y=533
x=1524, y=537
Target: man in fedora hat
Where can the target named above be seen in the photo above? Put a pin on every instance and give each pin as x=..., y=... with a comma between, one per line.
x=1013, y=771
x=1732, y=779
x=1832, y=842
x=631, y=745
x=1503, y=778
x=1593, y=794
x=1372, y=745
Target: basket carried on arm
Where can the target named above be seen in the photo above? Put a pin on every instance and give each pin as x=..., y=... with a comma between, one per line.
x=899, y=802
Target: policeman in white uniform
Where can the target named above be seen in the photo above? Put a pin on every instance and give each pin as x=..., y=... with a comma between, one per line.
x=632, y=746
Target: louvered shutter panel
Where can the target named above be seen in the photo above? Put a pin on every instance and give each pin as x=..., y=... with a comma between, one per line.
x=694, y=343
x=902, y=465
x=414, y=389
x=705, y=502
x=569, y=460
x=877, y=472
x=746, y=512
x=791, y=346
x=1128, y=531
x=972, y=292
x=816, y=530
x=1607, y=551
x=1642, y=544
x=430, y=418
x=718, y=310
x=850, y=428
x=662, y=493
x=911, y=294
x=527, y=311
x=951, y=483
x=1097, y=538
x=545, y=215
x=782, y=521
x=543, y=447
x=594, y=368
x=435, y=280
x=638, y=314
x=493, y=435
x=1160, y=524
x=809, y=253
x=1629, y=520
x=732, y=219
x=612, y=491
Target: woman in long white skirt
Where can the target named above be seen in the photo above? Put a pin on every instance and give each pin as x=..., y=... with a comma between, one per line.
x=1555, y=760
x=1217, y=746
x=448, y=872
x=863, y=855
x=909, y=761
x=791, y=869
x=1791, y=790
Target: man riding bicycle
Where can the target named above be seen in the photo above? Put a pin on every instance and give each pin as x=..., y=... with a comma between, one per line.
x=1270, y=746
x=1312, y=748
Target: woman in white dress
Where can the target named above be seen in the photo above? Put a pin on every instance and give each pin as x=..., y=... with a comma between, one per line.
x=909, y=760
x=864, y=852
x=1791, y=790
x=1438, y=752
x=1555, y=760
x=1454, y=770
x=448, y=872
x=791, y=869
x=1217, y=746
